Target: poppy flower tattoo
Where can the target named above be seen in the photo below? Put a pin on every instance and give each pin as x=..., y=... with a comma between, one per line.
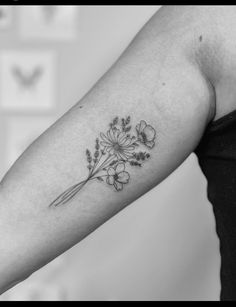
x=117, y=176
x=146, y=134
x=114, y=152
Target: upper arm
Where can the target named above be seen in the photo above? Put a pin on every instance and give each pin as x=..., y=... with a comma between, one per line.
x=155, y=81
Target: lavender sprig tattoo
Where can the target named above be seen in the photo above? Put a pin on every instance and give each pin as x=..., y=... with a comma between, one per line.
x=112, y=153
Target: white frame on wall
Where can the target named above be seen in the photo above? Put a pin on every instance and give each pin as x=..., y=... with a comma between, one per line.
x=27, y=81
x=58, y=23
x=5, y=16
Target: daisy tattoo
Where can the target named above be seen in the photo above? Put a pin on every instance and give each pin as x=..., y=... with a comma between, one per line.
x=114, y=153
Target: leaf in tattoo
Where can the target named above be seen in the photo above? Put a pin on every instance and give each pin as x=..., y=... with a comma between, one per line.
x=113, y=152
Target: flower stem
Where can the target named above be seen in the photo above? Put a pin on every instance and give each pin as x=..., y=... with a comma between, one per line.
x=72, y=191
x=68, y=194
x=95, y=165
x=105, y=163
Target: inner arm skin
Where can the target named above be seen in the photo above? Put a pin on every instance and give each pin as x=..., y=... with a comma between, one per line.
x=157, y=79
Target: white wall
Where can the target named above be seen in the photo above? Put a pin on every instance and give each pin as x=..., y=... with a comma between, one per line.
x=162, y=247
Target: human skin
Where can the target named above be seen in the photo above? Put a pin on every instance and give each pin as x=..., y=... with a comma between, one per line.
x=174, y=76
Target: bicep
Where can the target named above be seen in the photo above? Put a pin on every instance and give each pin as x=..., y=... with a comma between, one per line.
x=137, y=124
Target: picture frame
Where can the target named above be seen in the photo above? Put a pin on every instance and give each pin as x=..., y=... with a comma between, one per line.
x=49, y=22
x=27, y=80
x=5, y=16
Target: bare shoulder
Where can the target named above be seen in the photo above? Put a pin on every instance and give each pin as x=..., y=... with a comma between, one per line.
x=211, y=39
x=189, y=39
x=206, y=35
x=220, y=58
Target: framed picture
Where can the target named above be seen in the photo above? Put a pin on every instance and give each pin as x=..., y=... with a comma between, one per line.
x=51, y=22
x=21, y=132
x=5, y=16
x=27, y=80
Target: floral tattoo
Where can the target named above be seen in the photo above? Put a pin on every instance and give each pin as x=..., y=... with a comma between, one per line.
x=114, y=152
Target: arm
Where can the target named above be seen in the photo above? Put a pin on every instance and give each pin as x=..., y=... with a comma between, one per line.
x=50, y=198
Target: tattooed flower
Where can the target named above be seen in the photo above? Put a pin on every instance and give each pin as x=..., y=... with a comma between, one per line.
x=118, y=143
x=117, y=176
x=146, y=134
x=112, y=153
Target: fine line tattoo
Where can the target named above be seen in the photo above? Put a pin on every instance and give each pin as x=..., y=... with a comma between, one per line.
x=114, y=151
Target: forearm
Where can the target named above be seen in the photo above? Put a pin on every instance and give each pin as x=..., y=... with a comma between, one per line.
x=39, y=222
